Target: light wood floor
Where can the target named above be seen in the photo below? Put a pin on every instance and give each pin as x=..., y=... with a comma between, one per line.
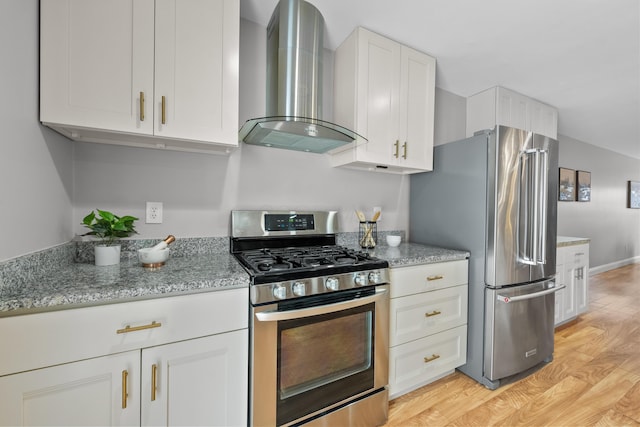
x=594, y=379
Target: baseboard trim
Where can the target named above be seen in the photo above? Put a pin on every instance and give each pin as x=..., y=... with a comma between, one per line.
x=613, y=265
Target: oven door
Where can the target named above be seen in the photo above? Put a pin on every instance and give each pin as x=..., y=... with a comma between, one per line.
x=319, y=353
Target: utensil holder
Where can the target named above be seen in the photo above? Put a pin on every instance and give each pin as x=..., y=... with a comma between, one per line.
x=368, y=234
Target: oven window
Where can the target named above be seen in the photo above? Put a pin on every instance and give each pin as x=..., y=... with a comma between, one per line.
x=324, y=359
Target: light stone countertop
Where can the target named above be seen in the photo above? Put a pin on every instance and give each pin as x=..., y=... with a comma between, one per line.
x=413, y=254
x=35, y=286
x=571, y=241
x=82, y=284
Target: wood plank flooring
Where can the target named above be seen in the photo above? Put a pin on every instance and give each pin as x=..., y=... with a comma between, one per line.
x=594, y=379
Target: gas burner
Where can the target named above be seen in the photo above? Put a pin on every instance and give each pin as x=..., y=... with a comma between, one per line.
x=274, y=266
x=267, y=262
x=314, y=261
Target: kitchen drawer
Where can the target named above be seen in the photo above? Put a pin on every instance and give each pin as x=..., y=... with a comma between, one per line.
x=428, y=277
x=577, y=256
x=417, y=316
x=45, y=339
x=420, y=362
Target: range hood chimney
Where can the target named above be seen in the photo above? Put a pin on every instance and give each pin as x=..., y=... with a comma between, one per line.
x=294, y=86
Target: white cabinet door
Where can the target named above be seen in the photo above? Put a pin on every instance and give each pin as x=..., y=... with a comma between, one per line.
x=96, y=59
x=569, y=309
x=385, y=91
x=417, y=101
x=580, y=276
x=196, y=70
x=196, y=382
x=573, y=273
x=559, y=297
x=512, y=109
x=500, y=106
x=96, y=392
x=378, y=97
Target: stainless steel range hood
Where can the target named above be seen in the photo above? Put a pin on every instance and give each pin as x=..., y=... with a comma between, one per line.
x=294, y=86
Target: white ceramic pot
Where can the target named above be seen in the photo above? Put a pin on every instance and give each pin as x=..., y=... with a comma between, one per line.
x=107, y=255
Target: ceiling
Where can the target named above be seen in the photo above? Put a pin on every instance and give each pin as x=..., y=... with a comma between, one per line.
x=580, y=56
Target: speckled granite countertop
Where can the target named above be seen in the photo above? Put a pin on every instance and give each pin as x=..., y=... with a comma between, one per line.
x=83, y=284
x=571, y=241
x=31, y=284
x=413, y=253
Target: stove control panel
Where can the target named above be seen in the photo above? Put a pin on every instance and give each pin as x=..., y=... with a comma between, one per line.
x=299, y=288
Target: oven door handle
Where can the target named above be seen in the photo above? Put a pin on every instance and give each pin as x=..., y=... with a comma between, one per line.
x=272, y=316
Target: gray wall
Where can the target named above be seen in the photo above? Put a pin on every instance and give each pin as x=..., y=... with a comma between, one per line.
x=35, y=163
x=614, y=229
x=48, y=183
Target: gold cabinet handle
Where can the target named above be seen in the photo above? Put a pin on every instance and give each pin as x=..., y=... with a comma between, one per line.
x=142, y=106
x=125, y=393
x=433, y=313
x=397, y=147
x=128, y=328
x=432, y=278
x=404, y=150
x=164, y=110
x=432, y=358
x=154, y=381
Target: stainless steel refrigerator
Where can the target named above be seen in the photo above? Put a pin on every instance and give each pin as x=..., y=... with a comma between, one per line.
x=495, y=195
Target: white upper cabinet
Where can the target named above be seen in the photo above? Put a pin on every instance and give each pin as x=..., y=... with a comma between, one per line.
x=500, y=106
x=385, y=92
x=160, y=74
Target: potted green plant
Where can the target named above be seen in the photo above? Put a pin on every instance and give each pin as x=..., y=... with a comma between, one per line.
x=109, y=228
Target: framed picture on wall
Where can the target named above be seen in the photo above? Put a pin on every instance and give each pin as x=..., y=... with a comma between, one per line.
x=584, y=186
x=633, y=195
x=567, y=191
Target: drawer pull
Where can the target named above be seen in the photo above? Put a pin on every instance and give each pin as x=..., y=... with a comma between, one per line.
x=438, y=277
x=125, y=393
x=433, y=313
x=432, y=358
x=154, y=381
x=128, y=328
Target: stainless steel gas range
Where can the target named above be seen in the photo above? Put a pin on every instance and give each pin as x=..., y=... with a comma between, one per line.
x=319, y=321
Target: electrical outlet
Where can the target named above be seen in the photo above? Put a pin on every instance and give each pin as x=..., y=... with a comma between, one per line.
x=154, y=213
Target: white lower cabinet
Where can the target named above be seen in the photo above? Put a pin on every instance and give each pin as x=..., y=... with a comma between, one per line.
x=428, y=323
x=197, y=382
x=89, y=392
x=572, y=270
x=158, y=372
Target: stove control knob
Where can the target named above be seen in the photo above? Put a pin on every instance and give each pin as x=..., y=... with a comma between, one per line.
x=280, y=291
x=332, y=284
x=298, y=289
x=375, y=277
x=360, y=279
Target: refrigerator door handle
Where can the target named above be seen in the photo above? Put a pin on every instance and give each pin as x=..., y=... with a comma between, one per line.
x=533, y=204
x=507, y=299
x=527, y=212
x=542, y=166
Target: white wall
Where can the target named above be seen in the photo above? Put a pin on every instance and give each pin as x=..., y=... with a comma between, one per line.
x=35, y=162
x=199, y=190
x=614, y=229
